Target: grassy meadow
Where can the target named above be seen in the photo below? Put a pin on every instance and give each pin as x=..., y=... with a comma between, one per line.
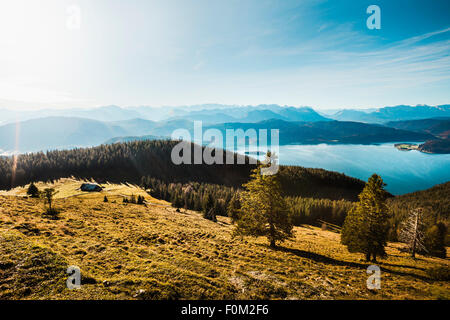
x=151, y=251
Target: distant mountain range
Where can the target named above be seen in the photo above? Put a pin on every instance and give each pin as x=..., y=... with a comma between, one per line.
x=217, y=113
x=57, y=133
x=331, y=132
x=396, y=113
x=66, y=132
x=57, y=129
x=253, y=114
x=210, y=113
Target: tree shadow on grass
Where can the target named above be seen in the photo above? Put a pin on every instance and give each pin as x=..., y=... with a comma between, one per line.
x=327, y=260
x=321, y=258
x=403, y=266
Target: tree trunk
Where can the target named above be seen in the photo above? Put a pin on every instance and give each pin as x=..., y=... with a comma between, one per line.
x=272, y=235
x=416, y=226
x=368, y=256
x=272, y=243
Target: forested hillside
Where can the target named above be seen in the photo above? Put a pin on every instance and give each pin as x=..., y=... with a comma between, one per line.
x=129, y=162
x=436, y=146
x=435, y=202
x=439, y=127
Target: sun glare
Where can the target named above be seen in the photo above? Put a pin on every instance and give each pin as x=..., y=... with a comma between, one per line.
x=35, y=50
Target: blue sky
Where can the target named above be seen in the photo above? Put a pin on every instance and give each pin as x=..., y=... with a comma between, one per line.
x=143, y=52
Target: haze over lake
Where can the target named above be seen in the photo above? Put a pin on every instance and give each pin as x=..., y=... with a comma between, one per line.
x=403, y=171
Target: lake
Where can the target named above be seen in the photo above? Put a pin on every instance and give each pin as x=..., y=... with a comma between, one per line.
x=402, y=171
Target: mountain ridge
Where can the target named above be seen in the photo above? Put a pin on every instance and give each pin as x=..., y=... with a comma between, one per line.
x=230, y=112
x=395, y=113
x=66, y=132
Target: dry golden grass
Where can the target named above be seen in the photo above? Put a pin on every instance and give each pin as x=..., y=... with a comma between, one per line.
x=128, y=251
x=70, y=187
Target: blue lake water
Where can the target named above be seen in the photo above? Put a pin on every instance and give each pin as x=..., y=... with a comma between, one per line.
x=403, y=171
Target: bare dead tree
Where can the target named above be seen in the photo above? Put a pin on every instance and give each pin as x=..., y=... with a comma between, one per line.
x=412, y=232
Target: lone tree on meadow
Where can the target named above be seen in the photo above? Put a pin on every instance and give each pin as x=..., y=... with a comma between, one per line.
x=365, y=228
x=263, y=209
x=412, y=232
x=48, y=196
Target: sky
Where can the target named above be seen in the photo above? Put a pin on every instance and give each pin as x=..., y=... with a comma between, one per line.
x=84, y=53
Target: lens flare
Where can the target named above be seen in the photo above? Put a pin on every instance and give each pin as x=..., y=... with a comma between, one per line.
x=15, y=155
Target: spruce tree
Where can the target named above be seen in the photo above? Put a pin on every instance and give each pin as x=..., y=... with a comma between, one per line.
x=365, y=228
x=209, y=207
x=263, y=209
x=33, y=191
x=48, y=196
x=186, y=204
x=234, y=207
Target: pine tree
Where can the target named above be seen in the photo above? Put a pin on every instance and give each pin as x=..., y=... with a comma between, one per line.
x=208, y=208
x=412, y=232
x=105, y=199
x=198, y=203
x=48, y=196
x=33, y=191
x=263, y=209
x=365, y=228
x=234, y=207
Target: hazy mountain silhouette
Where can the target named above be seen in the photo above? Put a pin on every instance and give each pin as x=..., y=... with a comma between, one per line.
x=396, y=113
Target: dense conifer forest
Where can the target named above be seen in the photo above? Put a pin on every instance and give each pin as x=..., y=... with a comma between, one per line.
x=435, y=203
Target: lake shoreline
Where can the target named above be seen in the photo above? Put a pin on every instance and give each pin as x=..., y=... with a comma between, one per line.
x=404, y=172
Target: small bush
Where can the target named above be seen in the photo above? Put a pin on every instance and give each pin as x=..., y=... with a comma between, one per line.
x=134, y=200
x=439, y=273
